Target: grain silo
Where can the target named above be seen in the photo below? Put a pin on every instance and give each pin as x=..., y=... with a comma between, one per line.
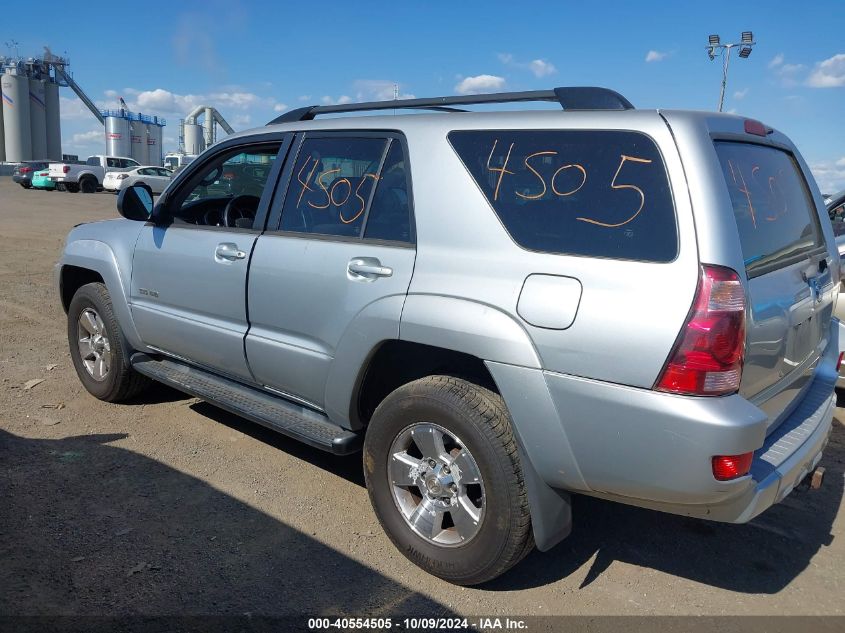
x=154, y=141
x=194, y=140
x=18, y=141
x=37, y=118
x=2, y=135
x=118, y=141
x=53, y=119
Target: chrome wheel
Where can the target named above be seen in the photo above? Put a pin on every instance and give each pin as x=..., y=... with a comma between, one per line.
x=94, y=344
x=436, y=484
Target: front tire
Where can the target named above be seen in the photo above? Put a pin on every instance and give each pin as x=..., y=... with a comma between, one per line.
x=98, y=349
x=444, y=478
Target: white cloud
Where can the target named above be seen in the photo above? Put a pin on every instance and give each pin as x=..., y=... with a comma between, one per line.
x=787, y=73
x=741, y=94
x=540, y=67
x=378, y=90
x=830, y=175
x=88, y=138
x=342, y=99
x=280, y=107
x=829, y=73
x=479, y=84
x=304, y=98
x=242, y=120
x=73, y=109
x=655, y=56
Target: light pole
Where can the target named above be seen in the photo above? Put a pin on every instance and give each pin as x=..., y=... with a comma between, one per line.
x=716, y=47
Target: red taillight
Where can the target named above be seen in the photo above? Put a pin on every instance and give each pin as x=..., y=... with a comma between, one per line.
x=727, y=467
x=66, y=169
x=755, y=127
x=25, y=170
x=707, y=358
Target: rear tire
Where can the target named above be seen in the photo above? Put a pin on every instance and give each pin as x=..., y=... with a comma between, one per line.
x=88, y=185
x=25, y=186
x=462, y=512
x=98, y=349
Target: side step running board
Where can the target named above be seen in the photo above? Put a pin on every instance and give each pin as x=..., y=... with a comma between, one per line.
x=280, y=415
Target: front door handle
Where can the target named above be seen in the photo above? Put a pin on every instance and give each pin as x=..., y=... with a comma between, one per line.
x=228, y=251
x=367, y=268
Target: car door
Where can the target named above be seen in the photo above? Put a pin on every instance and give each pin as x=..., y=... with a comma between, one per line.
x=190, y=266
x=341, y=246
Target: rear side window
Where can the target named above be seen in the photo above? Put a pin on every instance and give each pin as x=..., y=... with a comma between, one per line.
x=593, y=193
x=774, y=213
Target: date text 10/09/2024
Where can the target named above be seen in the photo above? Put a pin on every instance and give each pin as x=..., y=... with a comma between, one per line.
x=418, y=624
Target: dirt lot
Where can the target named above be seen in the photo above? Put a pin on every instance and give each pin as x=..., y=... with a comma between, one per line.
x=168, y=505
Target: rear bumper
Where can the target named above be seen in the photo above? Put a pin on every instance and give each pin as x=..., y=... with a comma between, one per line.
x=22, y=180
x=654, y=450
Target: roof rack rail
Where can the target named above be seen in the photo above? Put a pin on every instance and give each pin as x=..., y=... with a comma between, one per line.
x=571, y=98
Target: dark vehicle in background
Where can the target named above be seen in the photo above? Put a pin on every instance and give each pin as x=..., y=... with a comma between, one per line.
x=23, y=173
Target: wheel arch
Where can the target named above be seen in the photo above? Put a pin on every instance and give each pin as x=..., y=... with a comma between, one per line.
x=88, y=261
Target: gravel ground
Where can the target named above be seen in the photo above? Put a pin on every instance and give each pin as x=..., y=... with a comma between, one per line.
x=168, y=505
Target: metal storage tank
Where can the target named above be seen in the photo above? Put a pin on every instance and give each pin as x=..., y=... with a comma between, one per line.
x=2, y=136
x=139, y=142
x=118, y=141
x=38, y=118
x=15, y=90
x=194, y=142
x=154, y=143
x=54, y=125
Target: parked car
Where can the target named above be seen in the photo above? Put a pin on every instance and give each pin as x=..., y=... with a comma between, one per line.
x=154, y=179
x=502, y=308
x=41, y=180
x=22, y=174
x=88, y=178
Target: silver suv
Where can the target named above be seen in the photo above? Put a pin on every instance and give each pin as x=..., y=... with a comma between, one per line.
x=502, y=308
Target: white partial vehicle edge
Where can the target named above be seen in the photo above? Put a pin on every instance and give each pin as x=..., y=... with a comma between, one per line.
x=154, y=178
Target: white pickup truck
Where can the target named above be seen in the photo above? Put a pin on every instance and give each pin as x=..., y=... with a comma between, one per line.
x=88, y=178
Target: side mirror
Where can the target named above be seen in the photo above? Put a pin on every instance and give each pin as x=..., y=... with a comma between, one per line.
x=135, y=203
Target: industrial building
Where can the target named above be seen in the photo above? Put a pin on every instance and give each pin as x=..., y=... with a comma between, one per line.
x=30, y=125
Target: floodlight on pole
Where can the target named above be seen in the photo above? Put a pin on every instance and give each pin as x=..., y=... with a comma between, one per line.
x=715, y=47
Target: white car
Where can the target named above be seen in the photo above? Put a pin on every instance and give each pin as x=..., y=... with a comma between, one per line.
x=154, y=178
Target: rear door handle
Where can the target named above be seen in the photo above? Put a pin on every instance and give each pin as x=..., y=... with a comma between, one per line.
x=368, y=268
x=228, y=251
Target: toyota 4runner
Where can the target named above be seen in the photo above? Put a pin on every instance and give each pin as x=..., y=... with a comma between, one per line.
x=501, y=308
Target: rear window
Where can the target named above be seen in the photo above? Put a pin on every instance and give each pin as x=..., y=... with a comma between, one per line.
x=773, y=209
x=593, y=193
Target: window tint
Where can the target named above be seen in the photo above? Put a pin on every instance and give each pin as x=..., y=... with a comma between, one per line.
x=332, y=183
x=112, y=162
x=128, y=162
x=92, y=160
x=390, y=214
x=163, y=172
x=595, y=193
x=772, y=207
x=240, y=174
x=146, y=172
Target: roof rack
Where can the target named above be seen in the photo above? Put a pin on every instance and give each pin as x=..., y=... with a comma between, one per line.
x=572, y=98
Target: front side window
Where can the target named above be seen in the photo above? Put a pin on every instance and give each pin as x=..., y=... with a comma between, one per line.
x=594, y=193
x=113, y=162
x=226, y=192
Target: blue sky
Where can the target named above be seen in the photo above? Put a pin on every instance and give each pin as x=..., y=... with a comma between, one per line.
x=252, y=60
